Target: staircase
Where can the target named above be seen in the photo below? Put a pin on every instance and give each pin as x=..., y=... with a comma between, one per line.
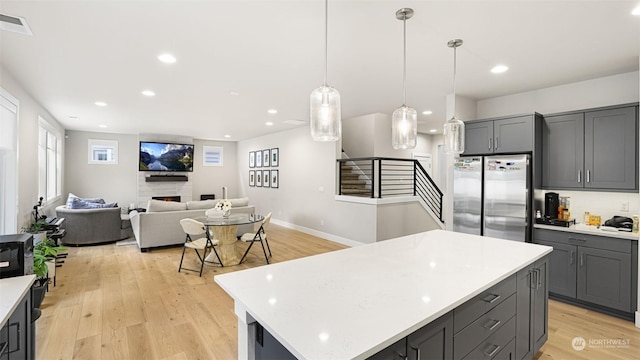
x=353, y=182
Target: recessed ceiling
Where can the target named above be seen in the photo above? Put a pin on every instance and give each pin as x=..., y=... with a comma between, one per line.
x=236, y=59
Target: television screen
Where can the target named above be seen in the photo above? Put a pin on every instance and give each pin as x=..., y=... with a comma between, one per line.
x=156, y=156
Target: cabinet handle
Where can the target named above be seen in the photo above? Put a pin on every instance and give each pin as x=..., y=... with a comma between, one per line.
x=402, y=356
x=539, y=278
x=497, y=143
x=588, y=176
x=579, y=176
x=533, y=282
x=573, y=254
x=491, y=298
x=4, y=347
x=417, y=350
x=581, y=260
x=490, y=143
x=575, y=240
x=492, y=324
x=493, y=351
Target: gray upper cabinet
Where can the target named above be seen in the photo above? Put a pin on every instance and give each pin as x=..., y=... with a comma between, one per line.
x=499, y=136
x=610, y=150
x=594, y=150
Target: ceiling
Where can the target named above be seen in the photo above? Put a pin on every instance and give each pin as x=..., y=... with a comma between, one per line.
x=237, y=59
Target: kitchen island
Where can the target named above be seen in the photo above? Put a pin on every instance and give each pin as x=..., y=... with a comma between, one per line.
x=355, y=303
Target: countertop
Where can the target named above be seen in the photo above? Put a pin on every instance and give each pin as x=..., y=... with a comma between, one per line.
x=590, y=230
x=11, y=291
x=352, y=303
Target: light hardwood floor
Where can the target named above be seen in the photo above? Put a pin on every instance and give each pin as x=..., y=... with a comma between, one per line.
x=114, y=302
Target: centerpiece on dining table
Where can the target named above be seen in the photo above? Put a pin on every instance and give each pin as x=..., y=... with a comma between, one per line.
x=224, y=206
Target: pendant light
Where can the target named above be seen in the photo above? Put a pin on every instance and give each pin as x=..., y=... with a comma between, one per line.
x=454, y=128
x=404, y=121
x=326, y=123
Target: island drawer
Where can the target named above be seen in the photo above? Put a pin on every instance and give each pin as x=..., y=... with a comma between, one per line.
x=491, y=347
x=508, y=352
x=468, y=312
x=483, y=327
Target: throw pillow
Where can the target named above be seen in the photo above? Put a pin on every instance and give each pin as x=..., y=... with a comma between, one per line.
x=78, y=203
x=199, y=205
x=239, y=202
x=89, y=200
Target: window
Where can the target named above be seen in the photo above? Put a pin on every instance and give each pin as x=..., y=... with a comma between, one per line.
x=50, y=161
x=212, y=155
x=103, y=151
x=8, y=163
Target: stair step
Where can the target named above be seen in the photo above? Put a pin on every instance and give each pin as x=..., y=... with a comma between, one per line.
x=354, y=182
x=356, y=191
x=350, y=175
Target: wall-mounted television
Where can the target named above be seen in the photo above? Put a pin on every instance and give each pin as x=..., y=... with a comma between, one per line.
x=162, y=156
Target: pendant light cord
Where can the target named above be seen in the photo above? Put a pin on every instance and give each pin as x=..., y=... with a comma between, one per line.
x=455, y=47
x=326, y=40
x=404, y=62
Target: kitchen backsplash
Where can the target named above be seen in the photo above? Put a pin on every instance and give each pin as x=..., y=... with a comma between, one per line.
x=605, y=204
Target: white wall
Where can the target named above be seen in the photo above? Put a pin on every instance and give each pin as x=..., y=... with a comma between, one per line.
x=119, y=182
x=113, y=183
x=605, y=91
x=357, y=136
x=28, y=114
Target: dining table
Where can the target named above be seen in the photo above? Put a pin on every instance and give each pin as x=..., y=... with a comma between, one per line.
x=224, y=230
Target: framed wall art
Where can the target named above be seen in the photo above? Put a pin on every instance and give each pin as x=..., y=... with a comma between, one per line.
x=252, y=159
x=275, y=179
x=252, y=178
x=275, y=157
x=266, y=157
x=258, y=158
x=266, y=178
x=259, y=178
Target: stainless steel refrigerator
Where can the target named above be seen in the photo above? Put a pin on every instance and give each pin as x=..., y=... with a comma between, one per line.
x=491, y=196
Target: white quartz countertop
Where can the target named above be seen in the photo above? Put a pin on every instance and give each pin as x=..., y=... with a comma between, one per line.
x=11, y=291
x=590, y=230
x=352, y=303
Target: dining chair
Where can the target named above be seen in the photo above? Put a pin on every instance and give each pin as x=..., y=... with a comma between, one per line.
x=194, y=228
x=259, y=236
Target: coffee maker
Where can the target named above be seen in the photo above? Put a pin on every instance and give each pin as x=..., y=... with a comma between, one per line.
x=551, y=203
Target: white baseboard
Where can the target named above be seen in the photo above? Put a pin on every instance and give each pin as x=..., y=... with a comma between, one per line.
x=320, y=234
x=638, y=319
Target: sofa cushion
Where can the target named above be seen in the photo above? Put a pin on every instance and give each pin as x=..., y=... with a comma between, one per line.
x=239, y=202
x=78, y=203
x=160, y=206
x=89, y=200
x=199, y=205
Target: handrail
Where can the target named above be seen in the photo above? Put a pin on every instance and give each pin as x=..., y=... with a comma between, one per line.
x=385, y=176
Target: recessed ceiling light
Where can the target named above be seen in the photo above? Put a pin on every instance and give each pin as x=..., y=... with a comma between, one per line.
x=636, y=11
x=272, y=111
x=167, y=58
x=432, y=130
x=100, y=103
x=227, y=136
x=234, y=93
x=427, y=112
x=148, y=93
x=103, y=126
x=269, y=123
x=499, y=69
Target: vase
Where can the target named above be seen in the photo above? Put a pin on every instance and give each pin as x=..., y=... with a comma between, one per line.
x=226, y=213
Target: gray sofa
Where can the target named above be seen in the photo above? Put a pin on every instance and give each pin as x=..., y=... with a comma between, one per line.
x=92, y=226
x=160, y=224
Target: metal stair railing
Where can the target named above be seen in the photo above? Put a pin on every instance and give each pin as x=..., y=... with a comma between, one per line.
x=384, y=177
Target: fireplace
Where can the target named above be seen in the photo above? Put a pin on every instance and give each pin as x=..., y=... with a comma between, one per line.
x=167, y=198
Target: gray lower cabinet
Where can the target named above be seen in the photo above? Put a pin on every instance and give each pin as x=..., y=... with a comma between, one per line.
x=434, y=341
x=17, y=335
x=591, y=150
x=532, y=309
x=592, y=269
x=500, y=136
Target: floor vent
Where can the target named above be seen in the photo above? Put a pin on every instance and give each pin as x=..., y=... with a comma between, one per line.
x=14, y=24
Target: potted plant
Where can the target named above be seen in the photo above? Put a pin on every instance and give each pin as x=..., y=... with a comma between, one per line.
x=44, y=255
x=36, y=228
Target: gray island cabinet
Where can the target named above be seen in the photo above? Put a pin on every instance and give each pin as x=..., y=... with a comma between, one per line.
x=432, y=295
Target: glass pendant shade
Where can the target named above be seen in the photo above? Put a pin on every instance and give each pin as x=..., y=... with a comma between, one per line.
x=326, y=122
x=404, y=128
x=454, y=136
